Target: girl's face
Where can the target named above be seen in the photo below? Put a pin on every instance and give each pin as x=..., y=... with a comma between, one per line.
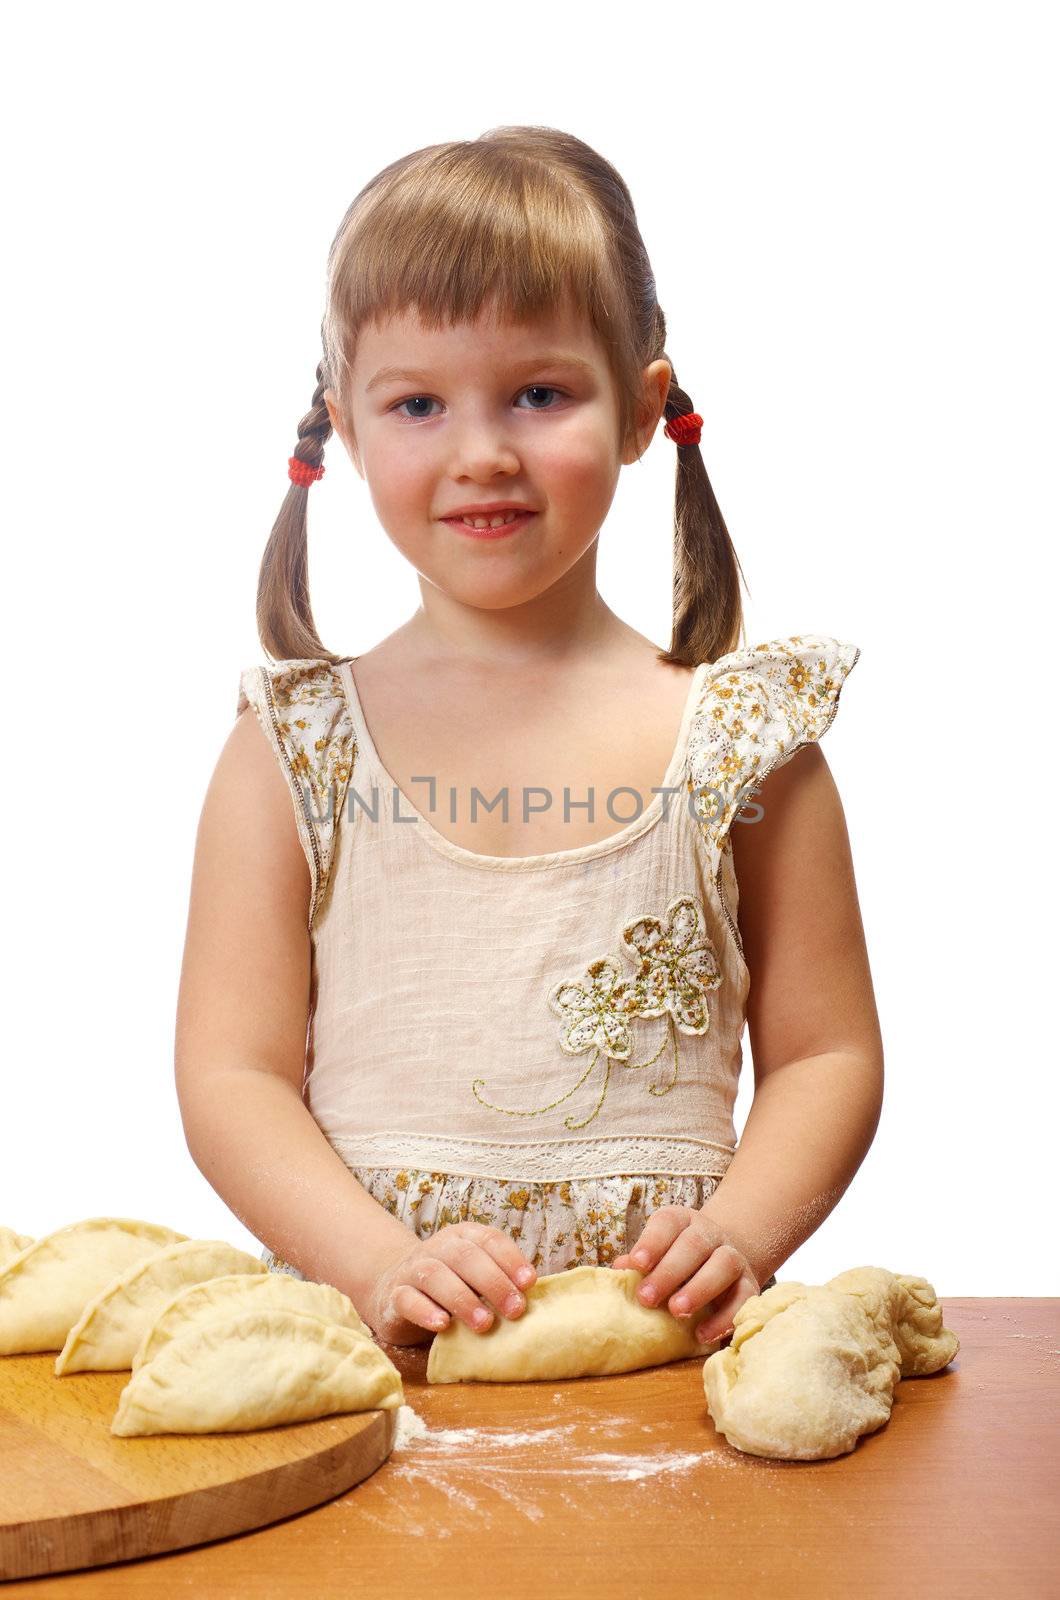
x=483, y=413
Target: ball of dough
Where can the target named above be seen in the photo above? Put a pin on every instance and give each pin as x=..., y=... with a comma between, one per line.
x=809, y=1370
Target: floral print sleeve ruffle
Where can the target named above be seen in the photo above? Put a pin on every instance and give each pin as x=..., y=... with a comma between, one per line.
x=304, y=715
x=574, y=1223
x=760, y=705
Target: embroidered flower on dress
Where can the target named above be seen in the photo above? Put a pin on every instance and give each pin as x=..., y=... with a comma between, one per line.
x=678, y=964
x=676, y=967
x=598, y=1012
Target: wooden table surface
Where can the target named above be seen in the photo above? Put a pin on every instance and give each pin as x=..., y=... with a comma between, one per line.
x=621, y=1487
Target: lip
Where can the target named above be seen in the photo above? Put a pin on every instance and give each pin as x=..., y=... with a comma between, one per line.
x=487, y=508
x=505, y=530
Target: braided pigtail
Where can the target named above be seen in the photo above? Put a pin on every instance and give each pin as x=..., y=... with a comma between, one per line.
x=284, y=614
x=708, y=613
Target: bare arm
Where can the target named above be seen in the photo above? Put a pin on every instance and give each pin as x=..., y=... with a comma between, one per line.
x=812, y=1019
x=242, y=1017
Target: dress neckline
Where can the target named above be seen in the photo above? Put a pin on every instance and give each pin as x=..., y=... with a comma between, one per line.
x=426, y=830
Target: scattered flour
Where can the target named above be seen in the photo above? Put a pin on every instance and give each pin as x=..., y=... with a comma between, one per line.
x=486, y=1449
x=410, y=1425
x=479, y=1471
x=1036, y=1338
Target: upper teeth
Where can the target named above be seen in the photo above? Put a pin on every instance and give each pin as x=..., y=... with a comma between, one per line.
x=490, y=522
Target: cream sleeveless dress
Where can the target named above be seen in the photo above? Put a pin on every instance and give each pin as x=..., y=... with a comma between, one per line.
x=550, y=1044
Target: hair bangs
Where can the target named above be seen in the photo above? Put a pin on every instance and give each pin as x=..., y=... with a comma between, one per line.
x=473, y=228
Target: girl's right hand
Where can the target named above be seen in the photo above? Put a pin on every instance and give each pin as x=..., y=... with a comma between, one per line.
x=439, y=1277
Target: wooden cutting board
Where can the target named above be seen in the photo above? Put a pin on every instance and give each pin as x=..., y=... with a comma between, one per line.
x=72, y=1494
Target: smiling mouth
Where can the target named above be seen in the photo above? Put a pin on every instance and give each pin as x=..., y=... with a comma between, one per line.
x=490, y=527
x=473, y=520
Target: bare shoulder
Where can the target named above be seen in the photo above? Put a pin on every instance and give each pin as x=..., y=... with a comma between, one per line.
x=790, y=845
x=655, y=693
x=666, y=684
x=800, y=920
x=250, y=808
x=245, y=973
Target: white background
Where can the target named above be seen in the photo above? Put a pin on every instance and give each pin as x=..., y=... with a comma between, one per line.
x=849, y=211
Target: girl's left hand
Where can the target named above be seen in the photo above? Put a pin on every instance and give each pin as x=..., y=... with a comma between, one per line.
x=690, y=1260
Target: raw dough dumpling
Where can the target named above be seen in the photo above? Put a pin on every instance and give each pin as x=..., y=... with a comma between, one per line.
x=580, y=1323
x=12, y=1244
x=809, y=1370
x=44, y=1289
x=108, y=1332
x=256, y=1370
x=225, y=1297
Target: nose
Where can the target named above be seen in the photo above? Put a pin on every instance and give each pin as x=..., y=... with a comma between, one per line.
x=481, y=451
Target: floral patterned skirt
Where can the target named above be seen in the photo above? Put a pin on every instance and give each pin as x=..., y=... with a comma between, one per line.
x=570, y=1223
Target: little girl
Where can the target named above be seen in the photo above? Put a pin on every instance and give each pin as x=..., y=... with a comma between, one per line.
x=464, y=984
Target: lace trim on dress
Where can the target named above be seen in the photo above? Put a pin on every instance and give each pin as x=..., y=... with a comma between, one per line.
x=303, y=711
x=535, y=1163
x=757, y=708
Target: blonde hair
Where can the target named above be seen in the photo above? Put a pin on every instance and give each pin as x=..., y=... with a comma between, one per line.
x=523, y=218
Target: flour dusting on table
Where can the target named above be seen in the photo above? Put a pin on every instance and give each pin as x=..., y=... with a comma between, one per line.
x=541, y=1450
x=572, y=1450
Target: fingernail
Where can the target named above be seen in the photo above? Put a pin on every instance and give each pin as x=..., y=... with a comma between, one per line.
x=681, y=1304
x=640, y=1257
x=648, y=1293
x=524, y=1275
x=480, y=1317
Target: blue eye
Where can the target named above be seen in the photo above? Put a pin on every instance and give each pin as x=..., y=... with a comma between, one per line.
x=542, y=388
x=411, y=401
x=422, y=416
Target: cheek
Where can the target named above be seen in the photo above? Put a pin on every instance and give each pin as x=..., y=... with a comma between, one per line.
x=579, y=467
x=398, y=474
x=402, y=486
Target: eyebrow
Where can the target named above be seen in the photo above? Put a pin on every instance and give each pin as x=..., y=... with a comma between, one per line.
x=550, y=358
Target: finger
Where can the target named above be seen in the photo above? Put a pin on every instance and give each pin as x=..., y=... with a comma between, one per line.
x=725, y=1267
x=695, y=1268
x=722, y=1312
x=415, y=1306
x=693, y=1248
x=478, y=1273
x=430, y=1278
x=521, y=1274
x=662, y=1228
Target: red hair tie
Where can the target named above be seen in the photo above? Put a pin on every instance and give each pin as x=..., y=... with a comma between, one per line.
x=686, y=429
x=301, y=473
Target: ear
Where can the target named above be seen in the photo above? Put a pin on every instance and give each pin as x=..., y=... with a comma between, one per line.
x=657, y=378
x=339, y=426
